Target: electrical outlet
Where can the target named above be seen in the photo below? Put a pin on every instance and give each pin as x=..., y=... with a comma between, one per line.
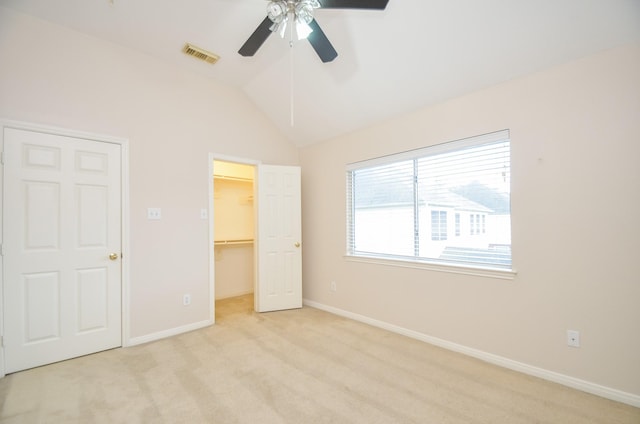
x=573, y=338
x=333, y=286
x=186, y=299
x=154, y=213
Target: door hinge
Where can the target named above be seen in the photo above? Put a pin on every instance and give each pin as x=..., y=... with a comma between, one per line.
x=1, y=158
x=1, y=341
x=1, y=249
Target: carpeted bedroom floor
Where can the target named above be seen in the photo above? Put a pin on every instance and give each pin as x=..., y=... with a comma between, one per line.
x=299, y=366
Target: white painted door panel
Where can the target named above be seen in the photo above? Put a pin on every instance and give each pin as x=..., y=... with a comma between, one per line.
x=279, y=239
x=62, y=219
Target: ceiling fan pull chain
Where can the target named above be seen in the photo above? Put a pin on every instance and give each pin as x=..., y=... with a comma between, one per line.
x=291, y=79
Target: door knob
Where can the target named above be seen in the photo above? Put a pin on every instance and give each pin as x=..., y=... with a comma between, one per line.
x=113, y=256
x=297, y=244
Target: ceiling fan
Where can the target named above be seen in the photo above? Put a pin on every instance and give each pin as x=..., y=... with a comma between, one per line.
x=298, y=14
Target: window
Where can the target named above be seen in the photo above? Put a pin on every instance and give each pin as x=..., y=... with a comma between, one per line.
x=438, y=225
x=398, y=205
x=475, y=224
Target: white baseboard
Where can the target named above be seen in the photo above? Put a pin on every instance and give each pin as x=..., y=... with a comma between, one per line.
x=585, y=386
x=168, y=333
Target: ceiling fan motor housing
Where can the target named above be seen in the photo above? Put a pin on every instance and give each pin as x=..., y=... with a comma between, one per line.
x=301, y=12
x=279, y=10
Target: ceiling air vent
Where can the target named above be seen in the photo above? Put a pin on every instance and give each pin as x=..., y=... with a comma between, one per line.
x=201, y=54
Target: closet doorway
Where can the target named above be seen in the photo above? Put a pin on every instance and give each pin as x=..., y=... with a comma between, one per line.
x=234, y=225
x=255, y=234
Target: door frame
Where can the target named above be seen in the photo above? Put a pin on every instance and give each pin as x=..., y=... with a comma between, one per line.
x=124, y=193
x=212, y=274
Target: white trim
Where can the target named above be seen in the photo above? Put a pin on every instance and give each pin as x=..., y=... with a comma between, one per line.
x=125, y=214
x=2, y=374
x=134, y=341
x=47, y=129
x=501, y=274
x=212, y=260
x=126, y=250
x=575, y=383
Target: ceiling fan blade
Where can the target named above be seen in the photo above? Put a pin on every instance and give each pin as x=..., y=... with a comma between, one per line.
x=259, y=36
x=321, y=43
x=354, y=4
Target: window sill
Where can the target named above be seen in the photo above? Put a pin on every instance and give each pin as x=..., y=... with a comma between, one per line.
x=454, y=269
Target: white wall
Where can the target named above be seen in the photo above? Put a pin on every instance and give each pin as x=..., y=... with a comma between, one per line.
x=575, y=132
x=173, y=120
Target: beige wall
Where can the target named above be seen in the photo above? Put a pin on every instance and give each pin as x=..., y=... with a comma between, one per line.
x=173, y=119
x=575, y=132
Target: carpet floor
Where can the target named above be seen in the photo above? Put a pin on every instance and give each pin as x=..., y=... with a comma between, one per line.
x=298, y=366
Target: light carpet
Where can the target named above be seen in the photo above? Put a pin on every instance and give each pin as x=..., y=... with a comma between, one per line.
x=298, y=366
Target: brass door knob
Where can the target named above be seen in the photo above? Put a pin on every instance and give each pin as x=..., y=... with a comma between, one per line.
x=113, y=256
x=297, y=244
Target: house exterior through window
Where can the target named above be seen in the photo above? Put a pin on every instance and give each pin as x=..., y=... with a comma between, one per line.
x=448, y=203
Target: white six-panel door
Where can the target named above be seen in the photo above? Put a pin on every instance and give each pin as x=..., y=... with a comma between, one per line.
x=61, y=222
x=279, y=239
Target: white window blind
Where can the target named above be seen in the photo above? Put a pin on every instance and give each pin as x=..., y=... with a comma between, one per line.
x=448, y=203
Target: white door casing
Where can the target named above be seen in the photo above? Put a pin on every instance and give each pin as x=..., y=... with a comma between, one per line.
x=279, y=231
x=62, y=219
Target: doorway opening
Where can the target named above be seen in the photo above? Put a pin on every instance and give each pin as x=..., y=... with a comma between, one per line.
x=234, y=224
x=263, y=218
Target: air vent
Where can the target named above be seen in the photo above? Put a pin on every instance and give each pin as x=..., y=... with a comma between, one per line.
x=201, y=54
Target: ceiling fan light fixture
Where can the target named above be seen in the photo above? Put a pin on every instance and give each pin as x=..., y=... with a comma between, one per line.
x=303, y=30
x=304, y=10
x=277, y=10
x=300, y=13
x=280, y=26
x=280, y=12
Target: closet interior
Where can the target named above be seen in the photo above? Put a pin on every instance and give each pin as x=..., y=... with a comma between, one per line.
x=233, y=231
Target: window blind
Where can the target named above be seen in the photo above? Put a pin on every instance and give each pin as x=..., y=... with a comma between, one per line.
x=448, y=203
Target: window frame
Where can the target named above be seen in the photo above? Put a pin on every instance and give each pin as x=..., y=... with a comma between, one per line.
x=424, y=262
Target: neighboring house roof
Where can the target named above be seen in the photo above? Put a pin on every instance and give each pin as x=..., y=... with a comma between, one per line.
x=382, y=196
x=493, y=199
x=447, y=198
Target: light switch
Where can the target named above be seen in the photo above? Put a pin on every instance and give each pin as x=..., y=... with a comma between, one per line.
x=154, y=213
x=204, y=214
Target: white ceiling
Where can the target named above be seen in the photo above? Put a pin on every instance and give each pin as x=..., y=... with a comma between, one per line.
x=413, y=54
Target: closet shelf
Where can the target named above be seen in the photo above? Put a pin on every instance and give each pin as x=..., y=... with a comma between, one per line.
x=232, y=178
x=232, y=242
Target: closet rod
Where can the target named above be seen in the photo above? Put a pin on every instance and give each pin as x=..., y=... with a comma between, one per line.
x=232, y=242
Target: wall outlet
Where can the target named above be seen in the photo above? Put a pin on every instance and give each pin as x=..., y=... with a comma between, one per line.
x=186, y=299
x=154, y=213
x=573, y=338
x=333, y=286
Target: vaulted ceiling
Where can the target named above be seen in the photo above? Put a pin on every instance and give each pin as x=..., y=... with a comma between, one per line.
x=415, y=53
